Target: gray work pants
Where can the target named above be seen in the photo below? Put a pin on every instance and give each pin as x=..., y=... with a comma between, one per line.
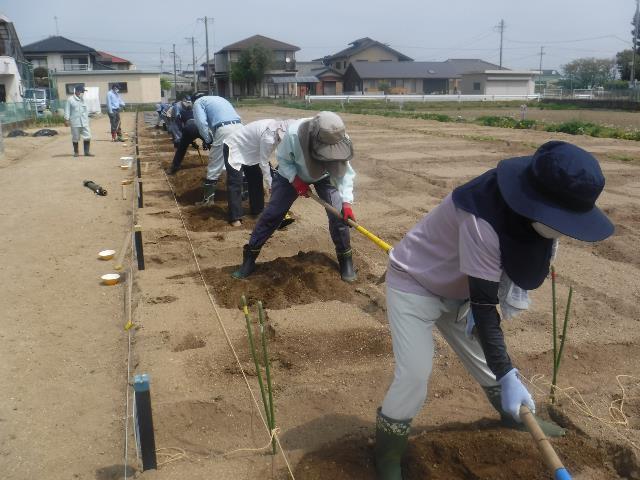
x=411, y=319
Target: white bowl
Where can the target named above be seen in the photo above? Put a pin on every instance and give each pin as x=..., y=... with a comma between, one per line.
x=106, y=254
x=110, y=278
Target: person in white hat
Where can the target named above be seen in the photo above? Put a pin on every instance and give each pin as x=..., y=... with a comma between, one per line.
x=247, y=151
x=315, y=151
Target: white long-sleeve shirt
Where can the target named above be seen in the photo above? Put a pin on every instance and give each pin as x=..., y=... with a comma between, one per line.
x=254, y=143
x=291, y=162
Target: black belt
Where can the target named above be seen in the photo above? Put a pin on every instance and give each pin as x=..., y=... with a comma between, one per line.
x=223, y=124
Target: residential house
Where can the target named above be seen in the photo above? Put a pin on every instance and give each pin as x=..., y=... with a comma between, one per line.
x=136, y=86
x=114, y=63
x=61, y=54
x=499, y=82
x=411, y=78
x=283, y=65
x=363, y=50
x=13, y=66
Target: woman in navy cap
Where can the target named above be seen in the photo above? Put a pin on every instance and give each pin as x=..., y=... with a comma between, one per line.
x=487, y=243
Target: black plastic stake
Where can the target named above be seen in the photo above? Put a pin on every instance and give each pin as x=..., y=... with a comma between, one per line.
x=144, y=422
x=138, y=241
x=138, y=166
x=140, y=202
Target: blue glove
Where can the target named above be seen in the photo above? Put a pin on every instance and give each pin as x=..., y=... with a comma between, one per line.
x=514, y=394
x=469, y=330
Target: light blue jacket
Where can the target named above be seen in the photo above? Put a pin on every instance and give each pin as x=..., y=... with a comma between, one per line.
x=113, y=101
x=291, y=162
x=211, y=110
x=76, y=112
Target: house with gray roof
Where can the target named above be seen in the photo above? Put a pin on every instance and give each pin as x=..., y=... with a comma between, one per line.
x=363, y=50
x=447, y=77
x=283, y=65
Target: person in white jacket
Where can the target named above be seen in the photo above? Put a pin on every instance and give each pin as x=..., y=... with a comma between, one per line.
x=76, y=116
x=247, y=152
x=315, y=151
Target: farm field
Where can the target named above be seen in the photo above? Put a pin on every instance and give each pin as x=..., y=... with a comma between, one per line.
x=329, y=341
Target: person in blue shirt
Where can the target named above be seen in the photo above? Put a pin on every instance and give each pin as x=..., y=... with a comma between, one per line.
x=314, y=151
x=216, y=119
x=114, y=106
x=182, y=113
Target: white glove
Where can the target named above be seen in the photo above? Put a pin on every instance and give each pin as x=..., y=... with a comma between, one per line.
x=514, y=394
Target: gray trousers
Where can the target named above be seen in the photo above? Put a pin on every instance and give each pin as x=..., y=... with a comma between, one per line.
x=78, y=132
x=282, y=197
x=114, y=119
x=411, y=319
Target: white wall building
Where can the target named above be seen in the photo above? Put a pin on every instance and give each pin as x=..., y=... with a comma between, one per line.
x=498, y=82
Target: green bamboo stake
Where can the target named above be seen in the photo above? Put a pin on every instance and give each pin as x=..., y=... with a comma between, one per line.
x=245, y=309
x=267, y=369
x=564, y=332
x=554, y=333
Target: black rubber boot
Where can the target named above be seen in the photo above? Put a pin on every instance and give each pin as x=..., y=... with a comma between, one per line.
x=392, y=437
x=209, y=192
x=550, y=429
x=345, y=260
x=249, y=256
x=87, y=148
x=75, y=149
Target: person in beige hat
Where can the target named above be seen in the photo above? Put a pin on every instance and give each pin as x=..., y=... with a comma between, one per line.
x=315, y=151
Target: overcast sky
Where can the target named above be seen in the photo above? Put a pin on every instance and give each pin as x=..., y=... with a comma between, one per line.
x=139, y=30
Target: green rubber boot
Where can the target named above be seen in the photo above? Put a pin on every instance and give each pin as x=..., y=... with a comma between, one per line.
x=249, y=256
x=208, y=193
x=392, y=437
x=550, y=429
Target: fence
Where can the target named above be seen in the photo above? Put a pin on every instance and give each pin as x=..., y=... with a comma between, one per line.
x=24, y=111
x=421, y=98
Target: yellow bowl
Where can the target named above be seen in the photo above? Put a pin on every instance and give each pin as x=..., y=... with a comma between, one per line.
x=106, y=254
x=110, y=278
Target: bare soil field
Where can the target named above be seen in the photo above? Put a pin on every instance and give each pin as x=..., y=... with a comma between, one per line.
x=329, y=341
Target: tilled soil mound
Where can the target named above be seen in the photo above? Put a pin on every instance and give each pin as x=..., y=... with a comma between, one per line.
x=480, y=451
x=303, y=350
x=302, y=279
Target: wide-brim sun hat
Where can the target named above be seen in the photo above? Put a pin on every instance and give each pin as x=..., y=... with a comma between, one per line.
x=557, y=186
x=325, y=144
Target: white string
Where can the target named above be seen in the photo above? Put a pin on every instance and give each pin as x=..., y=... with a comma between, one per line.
x=222, y=327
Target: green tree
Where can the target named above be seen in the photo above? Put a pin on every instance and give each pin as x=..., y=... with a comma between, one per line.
x=251, y=67
x=384, y=86
x=165, y=84
x=589, y=72
x=41, y=77
x=623, y=64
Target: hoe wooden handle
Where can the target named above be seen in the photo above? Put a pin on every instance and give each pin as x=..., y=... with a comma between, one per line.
x=549, y=455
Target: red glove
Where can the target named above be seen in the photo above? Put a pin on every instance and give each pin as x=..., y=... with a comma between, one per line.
x=347, y=213
x=301, y=187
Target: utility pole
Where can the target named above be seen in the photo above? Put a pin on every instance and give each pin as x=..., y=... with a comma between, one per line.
x=632, y=80
x=206, y=35
x=193, y=52
x=55, y=19
x=500, y=28
x=161, y=62
x=540, y=76
x=175, y=77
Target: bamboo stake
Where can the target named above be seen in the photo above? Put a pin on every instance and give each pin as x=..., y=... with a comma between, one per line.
x=554, y=329
x=245, y=309
x=267, y=369
x=564, y=331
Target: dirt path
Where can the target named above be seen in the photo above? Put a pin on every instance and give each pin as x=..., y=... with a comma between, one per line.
x=62, y=346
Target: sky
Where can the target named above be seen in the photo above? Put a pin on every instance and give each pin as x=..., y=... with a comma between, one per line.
x=144, y=31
